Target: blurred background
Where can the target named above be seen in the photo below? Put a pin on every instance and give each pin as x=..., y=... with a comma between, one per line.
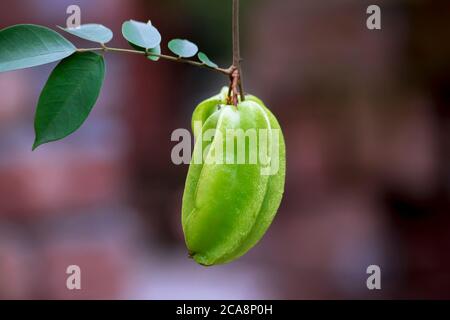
x=366, y=120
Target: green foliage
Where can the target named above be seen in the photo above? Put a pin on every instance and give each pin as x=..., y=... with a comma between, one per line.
x=183, y=48
x=74, y=85
x=141, y=34
x=204, y=58
x=68, y=97
x=156, y=50
x=92, y=32
x=26, y=45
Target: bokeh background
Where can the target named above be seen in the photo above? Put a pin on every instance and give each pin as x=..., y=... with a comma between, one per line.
x=366, y=119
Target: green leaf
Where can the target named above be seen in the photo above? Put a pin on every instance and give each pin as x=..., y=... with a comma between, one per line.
x=183, y=48
x=68, y=96
x=156, y=50
x=27, y=45
x=92, y=32
x=204, y=58
x=141, y=34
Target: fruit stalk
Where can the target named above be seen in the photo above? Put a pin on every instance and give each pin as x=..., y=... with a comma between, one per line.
x=236, y=83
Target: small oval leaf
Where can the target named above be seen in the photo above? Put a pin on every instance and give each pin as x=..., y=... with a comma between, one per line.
x=27, y=45
x=141, y=34
x=92, y=32
x=183, y=48
x=156, y=50
x=204, y=58
x=68, y=96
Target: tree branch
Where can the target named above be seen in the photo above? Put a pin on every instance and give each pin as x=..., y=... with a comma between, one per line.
x=162, y=56
x=236, y=90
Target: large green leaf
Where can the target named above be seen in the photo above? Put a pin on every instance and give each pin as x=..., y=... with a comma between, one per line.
x=92, y=32
x=26, y=45
x=141, y=34
x=68, y=97
x=183, y=48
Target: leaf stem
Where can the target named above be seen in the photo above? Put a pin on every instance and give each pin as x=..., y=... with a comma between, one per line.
x=161, y=56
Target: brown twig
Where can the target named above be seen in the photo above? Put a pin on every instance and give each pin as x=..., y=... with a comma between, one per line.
x=234, y=86
x=235, y=31
x=161, y=56
x=237, y=86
